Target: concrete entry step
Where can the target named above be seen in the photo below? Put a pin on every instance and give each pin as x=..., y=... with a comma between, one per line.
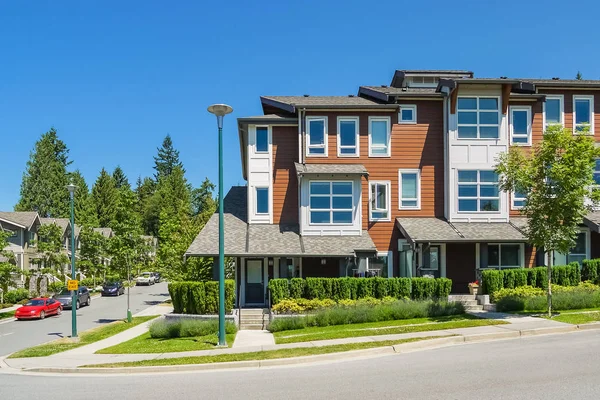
x=474, y=308
x=462, y=297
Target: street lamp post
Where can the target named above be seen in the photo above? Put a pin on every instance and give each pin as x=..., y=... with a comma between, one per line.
x=220, y=110
x=71, y=189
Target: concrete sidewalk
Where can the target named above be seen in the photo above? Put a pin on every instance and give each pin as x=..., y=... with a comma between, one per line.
x=517, y=326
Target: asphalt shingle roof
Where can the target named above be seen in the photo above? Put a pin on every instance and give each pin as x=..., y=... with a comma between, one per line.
x=106, y=232
x=63, y=223
x=592, y=220
x=337, y=169
x=23, y=218
x=394, y=91
x=303, y=101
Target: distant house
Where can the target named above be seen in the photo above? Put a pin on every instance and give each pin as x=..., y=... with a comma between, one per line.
x=23, y=227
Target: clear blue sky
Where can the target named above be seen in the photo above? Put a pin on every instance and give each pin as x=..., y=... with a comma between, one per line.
x=114, y=77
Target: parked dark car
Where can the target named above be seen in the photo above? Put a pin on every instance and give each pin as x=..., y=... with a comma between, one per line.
x=65, y=299
x=157, y=277
x=113, y=289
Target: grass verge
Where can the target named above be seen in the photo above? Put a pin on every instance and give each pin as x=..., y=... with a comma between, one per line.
x=260, y=355
x=145, y=344
x=382, y=328
x=5, y=315
x=577, y=318
x=85, y=338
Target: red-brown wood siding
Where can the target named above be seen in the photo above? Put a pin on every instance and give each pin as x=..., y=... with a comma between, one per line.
x=460, y=265
x=568, y=107
x=413, y=146
x=285, y=182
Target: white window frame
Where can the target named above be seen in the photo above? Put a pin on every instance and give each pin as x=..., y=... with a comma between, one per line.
x=256, y=188
x=412, y=107
x=513, y=198
x=477, y=198
x=331, y=209
x=521, y=256
x=561, y=99
x=325, y=136
x=529, y=125
x=418, y=199
x=478, y=125
x=388, y=199
x=589, y=98
x=434, y=81
x=256, y=128
x=388, y=121
x=356, y=147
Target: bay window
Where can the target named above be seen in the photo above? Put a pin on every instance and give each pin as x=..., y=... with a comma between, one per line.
x=379, y=137
x=478, y=191
x=379, y=201
x=553, y=111
x=478, y=118
x=348, y=137
x=583, y=114
x=330, y=202
x=316, y=136
x=409, y=185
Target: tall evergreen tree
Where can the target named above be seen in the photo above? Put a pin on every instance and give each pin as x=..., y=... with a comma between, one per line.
x=105, y=197
x=166, y=160
x=120, y=178
x=578, y=76
x=43, y=188
x=85, y=213
x=149, y=216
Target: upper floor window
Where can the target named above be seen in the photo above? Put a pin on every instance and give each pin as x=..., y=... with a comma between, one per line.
x=31, y=240
x=316, y=132
x=409, y=184
x=518, y=200
x=379, y=136
x=478, y=191
x=348, y=136
x=379, y=204
x=583, y=113
x=520, y=125
x=553, y=111
x=262, y=200
x=330, y=202
x=478, y=118
x=262, y=139
x=424, y=81
x=407, y=114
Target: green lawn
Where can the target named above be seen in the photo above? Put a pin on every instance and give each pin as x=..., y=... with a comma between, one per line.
x=259, y=355
x=577, y=317
x=383, y=328
x=86, y=337
x=146, y=344
x=10, y=314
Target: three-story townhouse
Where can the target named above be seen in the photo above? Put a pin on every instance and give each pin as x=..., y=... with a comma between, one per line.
x=396, y=181
x=23, y=227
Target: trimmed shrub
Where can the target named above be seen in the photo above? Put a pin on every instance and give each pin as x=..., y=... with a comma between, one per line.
x=297, y=288
x=163, y=329
x=380, y=287
x=509, y=279
x=531, y=277
x=211, y=300
x=492, y=280
x=423, y=288
x=200, y=297
x=563, y=298
x=56, y=287
x=520, y=277
x=541, y=277
x=521, y=291
x=365, y=288
x=16, y=296
x=590, y=269
x=443, y=286
x=279, y=289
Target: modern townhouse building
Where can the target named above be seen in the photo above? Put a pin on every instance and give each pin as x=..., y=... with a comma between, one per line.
x=397, y=180
x=23, y=227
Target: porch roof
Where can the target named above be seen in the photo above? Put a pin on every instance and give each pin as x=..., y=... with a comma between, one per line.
x=244, y=240
x=331, y=169
x=439, y=230
x=592, y=221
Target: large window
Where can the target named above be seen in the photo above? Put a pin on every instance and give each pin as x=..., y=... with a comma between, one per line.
x=579, y=252
x=407, y=114
x=379, y=204
x=553, y=111
x=316, y=132
x=262, y=200
x=379, y=136
x=478, y=191
x=330, y=202
x=478, y=118
x=409, y=185
x=520, y=125
x=348, y=137
x=518, y=200
x=583, y=113
x=504, y=255
x=262, y=139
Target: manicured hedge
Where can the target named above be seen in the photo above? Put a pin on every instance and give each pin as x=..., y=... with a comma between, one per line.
x=200, y=297
x=358, y=288
x=564, y=275
x=568, y=298
x=591, y=271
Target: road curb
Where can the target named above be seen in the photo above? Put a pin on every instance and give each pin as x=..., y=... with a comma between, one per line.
x=549, y=330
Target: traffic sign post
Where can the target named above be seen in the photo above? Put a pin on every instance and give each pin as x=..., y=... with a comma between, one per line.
x=72, y=284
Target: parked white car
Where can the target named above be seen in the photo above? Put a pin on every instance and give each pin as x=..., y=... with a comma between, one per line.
x=145, y=278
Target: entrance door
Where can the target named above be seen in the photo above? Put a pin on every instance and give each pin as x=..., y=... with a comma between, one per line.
x=430, y=265
x=255, y=285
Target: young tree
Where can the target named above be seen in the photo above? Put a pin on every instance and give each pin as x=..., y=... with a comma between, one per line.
x=105, y=197
x=166, y=160
x=43, y=188
x=559, y=182
x=85, y=213
x=92, y=252
x=50, y=244
x=120, y=178
x=126, y=245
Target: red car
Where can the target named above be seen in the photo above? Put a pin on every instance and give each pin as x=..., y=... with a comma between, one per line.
x=38, y=308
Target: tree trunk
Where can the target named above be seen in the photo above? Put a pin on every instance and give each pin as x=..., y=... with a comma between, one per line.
x=550, y=263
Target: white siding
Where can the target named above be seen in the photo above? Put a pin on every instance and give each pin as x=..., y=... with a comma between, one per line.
x=260, y=174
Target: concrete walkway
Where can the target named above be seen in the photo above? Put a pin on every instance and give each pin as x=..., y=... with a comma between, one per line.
x=255, y=341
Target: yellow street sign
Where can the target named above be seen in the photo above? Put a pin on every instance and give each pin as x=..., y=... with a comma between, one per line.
x=72, y=284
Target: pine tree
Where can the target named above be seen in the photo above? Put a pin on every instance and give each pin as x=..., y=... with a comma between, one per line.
x=104, y=198
x=149, y=217
x=43, y=188
x=166, y=160
x=120, y=178
x=85, y=214
x=578, y=76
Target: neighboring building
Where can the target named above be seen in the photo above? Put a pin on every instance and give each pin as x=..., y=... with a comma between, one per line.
x=65, y=225
x=24, y=227
x=152, y=243
x=395, y=181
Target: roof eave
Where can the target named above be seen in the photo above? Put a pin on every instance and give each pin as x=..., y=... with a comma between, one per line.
x=374, y=94
x=277, y=104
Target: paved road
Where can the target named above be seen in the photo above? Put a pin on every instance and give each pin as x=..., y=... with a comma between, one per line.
x=545, y=367
x=18, y=335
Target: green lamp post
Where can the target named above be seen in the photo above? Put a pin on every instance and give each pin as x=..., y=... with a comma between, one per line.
x=220, y=110
x=71, y=189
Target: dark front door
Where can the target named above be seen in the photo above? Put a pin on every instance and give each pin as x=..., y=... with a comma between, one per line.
x=430, y=265
x=255, y=284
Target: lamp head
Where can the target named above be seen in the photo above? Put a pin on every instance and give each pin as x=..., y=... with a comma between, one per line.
x=71, y=188
x=220, y=109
